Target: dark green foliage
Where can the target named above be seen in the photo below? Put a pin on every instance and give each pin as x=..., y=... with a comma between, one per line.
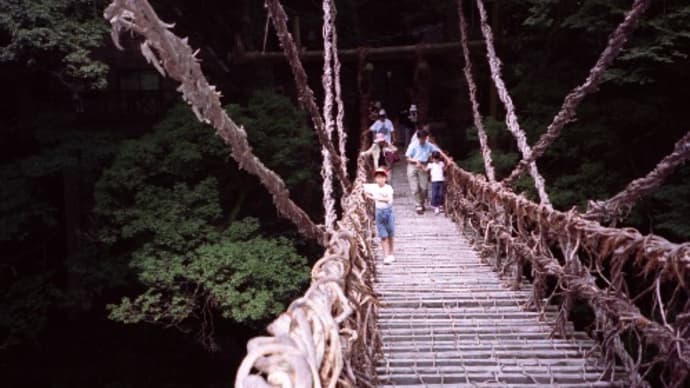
x=23, y=202
x=170, y=201
x=167, y=210
x=23, y=307
x=31, y=229
x=245, y=279
x=279, y=136
x=503, y=154
x=56, y=37
x=19, y=206
x=660, y=42
x=672, y=208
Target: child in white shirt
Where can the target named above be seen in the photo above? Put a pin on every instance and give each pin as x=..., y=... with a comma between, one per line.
x=382, y=194
x=436, y=167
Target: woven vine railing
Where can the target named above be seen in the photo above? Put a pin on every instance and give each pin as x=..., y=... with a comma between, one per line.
x=328, y=337
x=636, y=285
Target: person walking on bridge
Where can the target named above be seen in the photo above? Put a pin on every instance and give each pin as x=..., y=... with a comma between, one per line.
x=418, y=155
x=382, y=152
x=382, y=194
x=383, y=125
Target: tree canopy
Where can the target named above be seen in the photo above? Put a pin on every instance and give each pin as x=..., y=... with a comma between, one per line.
x=56, y=37
x=170, y=201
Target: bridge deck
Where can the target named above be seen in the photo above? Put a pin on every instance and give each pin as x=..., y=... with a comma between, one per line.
x=446, y=319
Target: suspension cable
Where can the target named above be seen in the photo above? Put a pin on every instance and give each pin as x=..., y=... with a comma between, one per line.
x=327, y=82
x=279, y=19
x=511, y=117
x=472, y=89
x=340, y=116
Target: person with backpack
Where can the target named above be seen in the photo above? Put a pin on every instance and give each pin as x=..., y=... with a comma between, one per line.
x=383, y=125
x=383, y=153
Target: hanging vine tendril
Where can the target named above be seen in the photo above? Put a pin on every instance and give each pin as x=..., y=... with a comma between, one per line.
x=306, y=94
x=504, y=95
x=472, y=89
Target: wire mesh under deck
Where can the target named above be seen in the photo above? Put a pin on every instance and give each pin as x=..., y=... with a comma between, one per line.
x=447, y=320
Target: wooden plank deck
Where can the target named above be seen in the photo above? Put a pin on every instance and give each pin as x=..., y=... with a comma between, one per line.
x=446, y=319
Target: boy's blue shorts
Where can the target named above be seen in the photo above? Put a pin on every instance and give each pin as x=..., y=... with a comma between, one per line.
x=385, y=222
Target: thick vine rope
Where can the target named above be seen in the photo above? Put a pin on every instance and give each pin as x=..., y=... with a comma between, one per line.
x=511, y=117
x=620, y=204
x=340, y=116
x=617, y=40
x=329, y=123
x=472, y=89
x=328, y=337
x=279, y=19
x=594, y=264
x=173, y=56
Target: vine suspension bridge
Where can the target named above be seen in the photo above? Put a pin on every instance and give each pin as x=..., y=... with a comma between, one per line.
x=488, y=303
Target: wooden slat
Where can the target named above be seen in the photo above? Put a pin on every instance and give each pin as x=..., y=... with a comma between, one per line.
x=446, y=319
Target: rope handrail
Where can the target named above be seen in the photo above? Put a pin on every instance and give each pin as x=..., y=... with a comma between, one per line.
x=616, y=41
x=582, y=255
x=328, y=337
x=173, y=56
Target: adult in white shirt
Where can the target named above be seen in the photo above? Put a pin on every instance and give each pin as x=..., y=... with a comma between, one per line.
x=383, y=125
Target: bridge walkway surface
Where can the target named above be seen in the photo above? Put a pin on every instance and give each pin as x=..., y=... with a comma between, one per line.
x=448, y=320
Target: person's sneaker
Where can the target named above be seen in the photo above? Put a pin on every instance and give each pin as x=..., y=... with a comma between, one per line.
x=437, y=210
x=419, y=209
x=389, y=259
x=441, y=209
